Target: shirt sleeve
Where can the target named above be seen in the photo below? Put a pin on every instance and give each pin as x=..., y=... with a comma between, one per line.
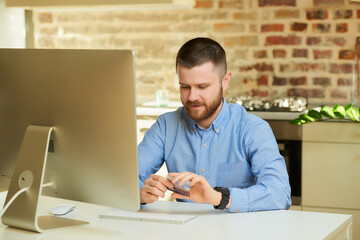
x=271, y=189
x=151, y=150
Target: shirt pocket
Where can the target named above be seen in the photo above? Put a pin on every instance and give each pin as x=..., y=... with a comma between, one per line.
x=234, y=175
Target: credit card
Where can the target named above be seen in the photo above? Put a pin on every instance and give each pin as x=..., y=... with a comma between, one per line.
x=183, y=190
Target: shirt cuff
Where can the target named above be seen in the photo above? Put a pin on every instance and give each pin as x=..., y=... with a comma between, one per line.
x=239, y=200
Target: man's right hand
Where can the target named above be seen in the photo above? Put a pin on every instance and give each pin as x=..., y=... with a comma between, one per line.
x=154, y=187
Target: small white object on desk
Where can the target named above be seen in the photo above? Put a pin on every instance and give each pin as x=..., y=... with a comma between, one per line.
x=62, y=209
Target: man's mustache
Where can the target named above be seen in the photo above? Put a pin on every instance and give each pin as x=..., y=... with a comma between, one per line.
x=194, y=104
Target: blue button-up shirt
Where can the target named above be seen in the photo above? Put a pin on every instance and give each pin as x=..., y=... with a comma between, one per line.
x=237, y=151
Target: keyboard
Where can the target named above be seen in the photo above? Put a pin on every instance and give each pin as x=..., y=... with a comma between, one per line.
x=148, y=216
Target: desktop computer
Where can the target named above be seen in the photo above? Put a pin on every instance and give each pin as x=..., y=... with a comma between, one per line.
x=67, y=130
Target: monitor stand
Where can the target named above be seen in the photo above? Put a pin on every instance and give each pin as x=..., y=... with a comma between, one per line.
x=29, y=172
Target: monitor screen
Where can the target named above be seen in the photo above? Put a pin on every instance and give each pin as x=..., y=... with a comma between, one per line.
x=88, y=98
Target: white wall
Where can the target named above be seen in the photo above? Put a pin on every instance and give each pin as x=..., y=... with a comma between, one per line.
x=12, y=27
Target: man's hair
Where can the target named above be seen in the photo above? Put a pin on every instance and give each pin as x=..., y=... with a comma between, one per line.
x=198, y=51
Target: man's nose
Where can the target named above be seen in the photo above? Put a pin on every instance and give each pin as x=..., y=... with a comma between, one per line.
x=193, y=95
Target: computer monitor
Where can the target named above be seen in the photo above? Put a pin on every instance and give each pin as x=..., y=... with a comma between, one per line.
x=67, y=117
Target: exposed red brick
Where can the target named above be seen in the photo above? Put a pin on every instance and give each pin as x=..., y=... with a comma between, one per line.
x=302, y=67
x=298, y=81
x=322, y=54
x=346, y=54
x=203, y=4
x=337, y=93
x=49, y=30
x=325, y=3
x=247, y=41
x=262, y=80
x=245, y=16
x=272, y=27
x=285, y=14
x=343, y=14
x=270, y=3
x=233, y=4
x=229, y=27
x=45, y=17
x=253, y=28
x=316, y=14
x=260, y=54
x=300, y=53
x=46, y=42
x=341, y=68
x=229, y=41
x=279, y=81
x=298, y=27
x=324, y=81
x=344, y=82
x=279, y=53
x=259, y=93
x=341, y=27
x=338, y=41
x=281, y=40
x=313, y=41
x=260, y=67
x=307, y=93
x=321, y=27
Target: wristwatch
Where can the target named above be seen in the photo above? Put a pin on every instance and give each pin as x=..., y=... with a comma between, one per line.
x=225, y=197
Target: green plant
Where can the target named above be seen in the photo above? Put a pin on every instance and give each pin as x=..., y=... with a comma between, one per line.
x=349, y=112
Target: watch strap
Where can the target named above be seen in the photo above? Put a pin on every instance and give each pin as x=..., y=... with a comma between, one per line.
x=225, y=197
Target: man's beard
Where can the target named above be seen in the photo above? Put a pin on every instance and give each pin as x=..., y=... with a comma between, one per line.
x=201, y=114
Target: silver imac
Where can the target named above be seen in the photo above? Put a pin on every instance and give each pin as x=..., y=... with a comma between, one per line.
x=68, y=121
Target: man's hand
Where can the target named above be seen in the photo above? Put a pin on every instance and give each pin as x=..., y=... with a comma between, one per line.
x=154, y=187
x=200, y=192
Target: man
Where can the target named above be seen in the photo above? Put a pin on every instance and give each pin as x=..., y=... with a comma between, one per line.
x=212, y=143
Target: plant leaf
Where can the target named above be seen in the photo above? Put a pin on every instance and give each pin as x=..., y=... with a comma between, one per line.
x=327, y=112
x=314, y=114
x=307, y=118
x=353, y=113
x=297, y=121
x=348, y=106
x=339, y=111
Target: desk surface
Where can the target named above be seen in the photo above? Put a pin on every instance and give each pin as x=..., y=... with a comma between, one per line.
x=209, y=224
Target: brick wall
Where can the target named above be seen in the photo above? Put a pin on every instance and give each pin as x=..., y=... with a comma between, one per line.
x=275, y=47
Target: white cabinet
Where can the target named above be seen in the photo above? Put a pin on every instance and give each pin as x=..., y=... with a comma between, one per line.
x=331, y=169
x=331, y=175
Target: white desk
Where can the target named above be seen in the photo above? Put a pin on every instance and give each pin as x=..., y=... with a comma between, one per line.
x=209, y=224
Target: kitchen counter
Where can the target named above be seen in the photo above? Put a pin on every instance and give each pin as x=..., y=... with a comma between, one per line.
x=155, y=112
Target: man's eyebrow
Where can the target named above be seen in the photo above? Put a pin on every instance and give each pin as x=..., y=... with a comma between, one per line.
x=197, y=84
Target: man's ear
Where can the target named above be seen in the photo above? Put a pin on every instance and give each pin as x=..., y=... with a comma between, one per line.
x=226, y=80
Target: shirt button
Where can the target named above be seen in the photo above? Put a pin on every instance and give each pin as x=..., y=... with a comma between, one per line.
x=217, y=130
x=202, y=170
x=204, y=145
x=237, y=210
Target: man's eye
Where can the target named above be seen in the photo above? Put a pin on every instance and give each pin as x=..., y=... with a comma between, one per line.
x=185, y=87
x=202, y=87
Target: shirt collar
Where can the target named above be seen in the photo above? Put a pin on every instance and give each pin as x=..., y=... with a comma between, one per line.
x=217, y=125
x=219, y=122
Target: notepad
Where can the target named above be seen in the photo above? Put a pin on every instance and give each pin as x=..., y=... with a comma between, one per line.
x=148, y=216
